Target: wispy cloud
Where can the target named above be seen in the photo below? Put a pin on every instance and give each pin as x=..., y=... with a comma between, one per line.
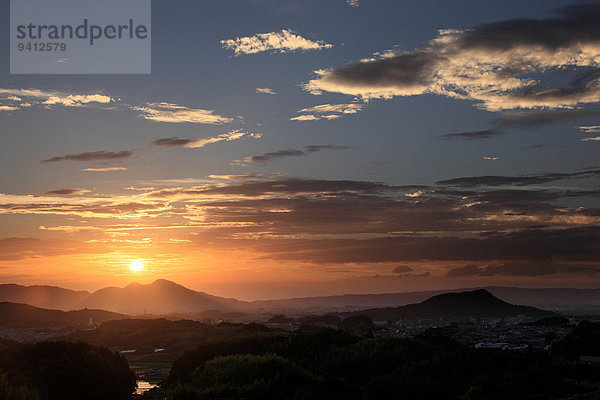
x=490, y=158
x=327, y=111
x=197, y=143
x=93, y=156
x=16, y=248
x=536, y=118
x=107, y=156
x=265, y=90
x=475, y=135
x=15, y=99
x=283, y=41
x=520, y=268
x=66, y=192
x=253, y=175
x=77, y=100
x=494, y=180
x=402, y=269
x=490, y=64
x=104, y=169
x=275, y=155
x=352, y=3
x=590, y=129
x=168, y=112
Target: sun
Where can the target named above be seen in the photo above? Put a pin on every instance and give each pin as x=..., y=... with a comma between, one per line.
x=136, y=266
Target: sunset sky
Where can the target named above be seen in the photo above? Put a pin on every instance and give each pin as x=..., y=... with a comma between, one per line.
x=285, y=148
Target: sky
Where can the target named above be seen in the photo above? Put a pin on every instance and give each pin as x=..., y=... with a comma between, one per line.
x=286, y=148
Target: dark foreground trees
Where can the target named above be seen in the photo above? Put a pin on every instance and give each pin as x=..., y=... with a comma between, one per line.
x=334, y=365
x=65, y=371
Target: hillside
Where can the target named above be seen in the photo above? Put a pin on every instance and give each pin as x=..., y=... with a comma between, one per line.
x=478, y=303
x=13, y=315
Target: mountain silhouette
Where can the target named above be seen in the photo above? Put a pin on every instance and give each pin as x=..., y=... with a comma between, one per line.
x=160, y=297
x=51, y=297
x=477, y=303
x=166, y=297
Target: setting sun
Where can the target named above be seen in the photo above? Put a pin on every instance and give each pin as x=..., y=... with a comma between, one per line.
x=136, y=266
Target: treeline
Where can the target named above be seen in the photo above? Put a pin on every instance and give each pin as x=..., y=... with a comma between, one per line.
x=330, y=364
x=63, y=371
x=145, y=335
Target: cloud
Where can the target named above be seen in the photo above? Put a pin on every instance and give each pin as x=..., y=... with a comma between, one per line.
x=520, y=268
x=246, y=176
x=15, y=99
x=524, y=253
x=283, y=186
x=173, y=113
x=275, y=155
x=467, y=270
x=265, y=90
x=493, y=180
x=503, y=231
x=327, y=111
x=513, y=268
x=589, y=139
x=402, y=269
x=172, y=141
x=474, y=135
x=500, y=66
x=590, y=129
x=352, y=3
x=104, y=169
x=197, y=143
x=528, y=119
x=77, y=100
x=283, y=41
x=16, y=248
x=93, y=156
x=311, y=117
x=67, y=192
x=543, y=146
x=490, y=158
x=121, y=207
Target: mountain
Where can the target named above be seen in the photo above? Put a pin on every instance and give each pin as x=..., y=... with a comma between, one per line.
x=574, y=301
x=477, y=303
x=159, y=297
x=41, y=296
x=13, y=315
x=165, y=297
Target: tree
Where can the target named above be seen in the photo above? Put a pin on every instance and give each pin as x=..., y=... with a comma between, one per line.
x=75, y=371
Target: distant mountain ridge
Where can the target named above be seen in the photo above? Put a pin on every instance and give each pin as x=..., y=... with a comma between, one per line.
x=166, y=297
x=477, y=303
